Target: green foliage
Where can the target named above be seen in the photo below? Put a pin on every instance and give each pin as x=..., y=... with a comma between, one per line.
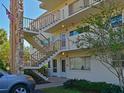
x=83, y=29
x=101, y=33
x=60, y=90
x=26, y=54
x=4, y=49
x=44, y=70
x=100, y=87
x=2, y=65
x=3, y=36
x=104, y=39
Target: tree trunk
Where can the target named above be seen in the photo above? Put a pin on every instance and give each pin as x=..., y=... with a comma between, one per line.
x=121, y=79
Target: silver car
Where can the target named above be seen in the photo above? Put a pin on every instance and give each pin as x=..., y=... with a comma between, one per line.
x=16, y=83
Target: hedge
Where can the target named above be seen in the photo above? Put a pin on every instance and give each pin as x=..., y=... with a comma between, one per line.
x=99, y=87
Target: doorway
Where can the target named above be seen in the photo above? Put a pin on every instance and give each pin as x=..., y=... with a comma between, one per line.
x=63, y=41
x=63, y=67
x=54, y=65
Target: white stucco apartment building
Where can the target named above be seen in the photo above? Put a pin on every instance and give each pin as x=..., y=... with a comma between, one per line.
x=59, y=47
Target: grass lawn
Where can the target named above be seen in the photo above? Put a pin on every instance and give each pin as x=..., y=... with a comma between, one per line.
x=59, y=90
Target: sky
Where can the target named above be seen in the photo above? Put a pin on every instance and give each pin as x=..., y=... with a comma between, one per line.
x=31, y=10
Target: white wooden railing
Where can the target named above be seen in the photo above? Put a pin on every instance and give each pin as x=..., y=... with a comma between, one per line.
x=47, y=19
x=50, y=19
x=79, y=5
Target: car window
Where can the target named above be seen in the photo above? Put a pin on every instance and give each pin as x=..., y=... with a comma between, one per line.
x=3, y=72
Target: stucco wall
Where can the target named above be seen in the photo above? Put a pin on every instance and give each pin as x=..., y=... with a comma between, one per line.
x=97, y=73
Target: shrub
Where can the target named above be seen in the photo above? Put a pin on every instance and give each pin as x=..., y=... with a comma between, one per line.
x=43, y=71
x=2, y=65
x=100, y=87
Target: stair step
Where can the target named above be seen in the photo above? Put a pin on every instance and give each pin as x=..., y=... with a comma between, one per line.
x=41, y=75
x=37, y=62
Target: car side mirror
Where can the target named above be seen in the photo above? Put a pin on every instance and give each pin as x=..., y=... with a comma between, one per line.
x=1, y=75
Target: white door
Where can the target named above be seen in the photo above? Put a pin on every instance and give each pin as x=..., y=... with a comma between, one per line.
x=63, y=41
x=63, y=67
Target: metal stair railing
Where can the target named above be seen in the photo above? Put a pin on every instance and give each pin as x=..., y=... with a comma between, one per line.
x=29, y=25
x=40, y=74
x=48, y=19
x=38, y=58
x=41, y=42
x=54, y=47
x=42, y=22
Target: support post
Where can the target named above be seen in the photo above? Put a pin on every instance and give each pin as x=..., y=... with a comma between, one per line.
x=16, y=36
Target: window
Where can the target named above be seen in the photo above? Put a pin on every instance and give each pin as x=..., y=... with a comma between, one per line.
x=49, y=65
x=79, y=30
x=116, y=21
x=117, y=61
x=72, y=33
x=45, y=42
x=54, y=65
x=80, y=63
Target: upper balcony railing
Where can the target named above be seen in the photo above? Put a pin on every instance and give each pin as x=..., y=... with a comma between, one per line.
x=50, y=19
x=80, y=5
x=47, y=19
x=28, y=24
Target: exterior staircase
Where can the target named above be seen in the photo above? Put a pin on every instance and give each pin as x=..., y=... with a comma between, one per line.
x=45, y=52
x=37, y=76
x=33, y=40
x=40, y=75
x=39, y=59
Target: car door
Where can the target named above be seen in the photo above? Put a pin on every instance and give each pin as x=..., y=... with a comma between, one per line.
x=3, y=83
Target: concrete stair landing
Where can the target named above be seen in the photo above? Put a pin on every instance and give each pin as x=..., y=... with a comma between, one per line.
x=54, y=82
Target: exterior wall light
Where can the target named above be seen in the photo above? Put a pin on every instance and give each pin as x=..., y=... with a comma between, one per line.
x=7, y=68
x=63, y=53
x=63, y=26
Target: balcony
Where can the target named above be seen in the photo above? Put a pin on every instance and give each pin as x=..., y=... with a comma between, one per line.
x=72, y=13
x=66, y=44
x=50, y=4
x=80, y=5
x=41, y=23
x=29, y=26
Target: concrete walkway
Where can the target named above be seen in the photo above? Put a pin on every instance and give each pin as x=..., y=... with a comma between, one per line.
x=54, y=82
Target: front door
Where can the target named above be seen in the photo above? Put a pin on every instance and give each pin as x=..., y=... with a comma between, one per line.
x=63, y=67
